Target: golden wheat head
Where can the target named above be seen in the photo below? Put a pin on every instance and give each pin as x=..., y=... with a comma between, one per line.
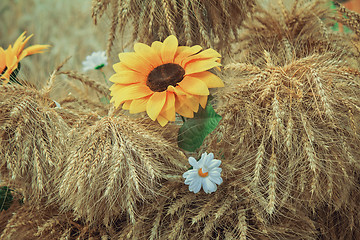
x=210, y=23
x=290, y=33
x=294, y=129
x=114, y=166
x=228, y=213
x=28, y=222
x=31, y=140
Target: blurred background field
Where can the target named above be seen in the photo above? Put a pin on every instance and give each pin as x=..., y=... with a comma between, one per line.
x=66, y=25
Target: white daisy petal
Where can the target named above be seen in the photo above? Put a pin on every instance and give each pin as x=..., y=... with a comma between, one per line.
x=198, y=186
x=202, y=160
x=193, y=162
x=214, y=174
x=95, y=61
x=209, y=186
x=197, y=177
x=216, y=170
x=186, y=174
x=205, y=186
x=195, y=187
x=214, y=163
x=210, y=156
x=190, y=173
x=217, y=180
x=191, y=179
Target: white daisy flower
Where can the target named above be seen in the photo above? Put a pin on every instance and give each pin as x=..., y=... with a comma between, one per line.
x=96, y=60
x=205, y=173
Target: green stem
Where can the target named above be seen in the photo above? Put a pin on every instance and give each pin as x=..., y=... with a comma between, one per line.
x=106, y=81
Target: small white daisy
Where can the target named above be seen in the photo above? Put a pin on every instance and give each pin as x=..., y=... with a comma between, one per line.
x=96, y=60
x=205, y=173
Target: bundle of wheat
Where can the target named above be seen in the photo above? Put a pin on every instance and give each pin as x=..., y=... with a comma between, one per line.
x=210, y=23
x=31, y=140
x=290, y=33
x=30, y=222
x=340, y=223
x=114, y=166
x=229, y=213
x=293, y=129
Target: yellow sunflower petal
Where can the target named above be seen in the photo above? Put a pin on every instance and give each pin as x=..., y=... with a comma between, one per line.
x=22, y=45
x=116, y=87
x=126, y=104
x=127, y=77
x=168, y=110
x=155, y=104
x=180, y=49
x=19, y=42
x=210, y=79
x=203, y=55
x=168, y=49
x=148, y=53
x=32, y=50
x=157, y=46
x=183, y=109
x=135, y=62
x=118, y=67
x=116, y=98
x=203, y=101
x=176, y=90
x=189, y=101
x=138, y=105
x=194, y=86
x=162, y=120
x=200, y=66
x=193, y=103
x=2, y=59
x=11, y=59
x=185, y=52
x=122, y=93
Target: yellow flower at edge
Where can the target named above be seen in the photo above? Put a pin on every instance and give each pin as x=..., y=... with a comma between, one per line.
x=10, y=58
x=164, y=79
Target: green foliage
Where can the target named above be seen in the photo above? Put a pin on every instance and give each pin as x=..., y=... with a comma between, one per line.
x=13, y=75
x=193, y=131
x=6, y=198
x=335, y=27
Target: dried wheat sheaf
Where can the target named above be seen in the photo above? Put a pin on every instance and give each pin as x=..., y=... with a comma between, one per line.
x=290, y=33
x=294, y=128
x=28, y=222
x=228, y=213
x=115, y=166
x=31, y=140
x=210, y=23
x=341, y=223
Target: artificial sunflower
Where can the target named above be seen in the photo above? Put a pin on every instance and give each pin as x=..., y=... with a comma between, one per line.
x=164, y=79
x=10, y=58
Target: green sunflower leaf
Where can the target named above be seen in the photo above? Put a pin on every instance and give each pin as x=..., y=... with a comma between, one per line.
x=13, y=75
x=194, y=130
x=6, y=198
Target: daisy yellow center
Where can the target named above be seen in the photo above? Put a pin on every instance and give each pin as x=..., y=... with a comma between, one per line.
x=165, y=75
x=201, y=174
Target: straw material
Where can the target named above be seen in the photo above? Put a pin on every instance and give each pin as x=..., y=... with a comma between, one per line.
x=115, y=166
x=293, y=129
x=292, y=32
x=31, y=223
x=32, y=140
x=228, y=213
x=210, y=23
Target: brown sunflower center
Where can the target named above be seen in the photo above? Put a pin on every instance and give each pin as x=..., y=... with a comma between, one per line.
x=165, y=75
